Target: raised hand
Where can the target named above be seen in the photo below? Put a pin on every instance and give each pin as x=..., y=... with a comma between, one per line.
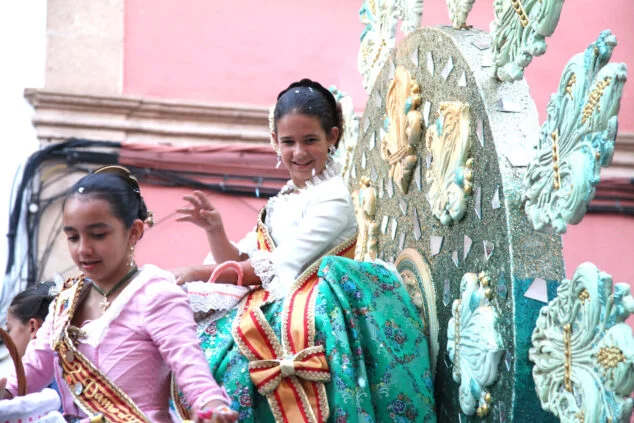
x=202, y=213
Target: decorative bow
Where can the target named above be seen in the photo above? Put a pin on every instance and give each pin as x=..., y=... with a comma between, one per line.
x=309, y=364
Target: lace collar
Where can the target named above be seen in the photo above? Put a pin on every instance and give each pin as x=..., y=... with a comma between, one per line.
x=332, y=169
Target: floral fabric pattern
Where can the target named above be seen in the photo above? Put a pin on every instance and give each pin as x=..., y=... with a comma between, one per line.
x=376, y=348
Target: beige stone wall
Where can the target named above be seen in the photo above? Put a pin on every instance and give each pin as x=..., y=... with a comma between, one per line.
x=623, y=162
x=84, y=52
x=60, y=115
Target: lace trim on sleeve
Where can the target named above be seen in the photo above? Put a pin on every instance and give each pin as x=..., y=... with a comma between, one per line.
x=265, y=269
x=207, y=298
x=248, y=244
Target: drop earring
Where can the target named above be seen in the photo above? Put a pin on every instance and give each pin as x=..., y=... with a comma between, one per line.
x=131, y=262
x=332, y=149
x=279, y=160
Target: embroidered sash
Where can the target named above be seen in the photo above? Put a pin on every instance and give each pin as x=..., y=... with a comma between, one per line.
x=95, y=394
x=290, y=373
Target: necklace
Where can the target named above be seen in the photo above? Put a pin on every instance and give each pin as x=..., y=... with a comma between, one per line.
x=104, y=304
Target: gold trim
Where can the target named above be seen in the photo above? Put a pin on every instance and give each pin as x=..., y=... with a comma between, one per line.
x=572, y=80
x=519, y=9
x=283, y=349
x=315, y=266
x=81, y=359
x=62, y=342
x=75, y=284
x=594, y=98
x=567, y=356
x=556, y=176
x=264, y=231
x=610, y=357
x=426, y=306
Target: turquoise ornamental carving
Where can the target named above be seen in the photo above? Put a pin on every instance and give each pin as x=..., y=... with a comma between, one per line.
x=450, y=174
x=577, y=138
x=584, y=351
x=378, y=39
x=519, y=33
x=474, y=344
x=459, y=11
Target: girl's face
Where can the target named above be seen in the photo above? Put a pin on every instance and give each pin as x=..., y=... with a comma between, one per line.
x=98, y=241
x=303, y=145
x=21, y=333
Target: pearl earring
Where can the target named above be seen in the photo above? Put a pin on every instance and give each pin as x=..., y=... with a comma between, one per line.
x=131, y=263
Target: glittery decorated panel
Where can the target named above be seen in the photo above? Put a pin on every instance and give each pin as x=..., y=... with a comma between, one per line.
x=453, y=196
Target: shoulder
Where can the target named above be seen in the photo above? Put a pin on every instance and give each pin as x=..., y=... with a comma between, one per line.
x=332, y=189
x=159, y=283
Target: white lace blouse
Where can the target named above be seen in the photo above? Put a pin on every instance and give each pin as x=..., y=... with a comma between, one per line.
x=304, y=224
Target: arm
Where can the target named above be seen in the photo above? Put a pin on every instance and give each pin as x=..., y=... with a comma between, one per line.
x=325, y=219
x=168, y=321
x=244, y=248
x=249, y=277
x=200, y=272
x=202, y=213
x=203, y=273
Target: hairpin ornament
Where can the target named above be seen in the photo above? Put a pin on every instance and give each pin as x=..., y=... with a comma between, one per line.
x=122, y=172
x=312, y=86
x=58, y=285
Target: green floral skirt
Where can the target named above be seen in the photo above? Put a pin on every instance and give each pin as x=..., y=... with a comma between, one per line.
x=374, y=340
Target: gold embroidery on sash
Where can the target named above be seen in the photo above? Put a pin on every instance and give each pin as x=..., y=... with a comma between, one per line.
x=289, y=373
x=95, y=394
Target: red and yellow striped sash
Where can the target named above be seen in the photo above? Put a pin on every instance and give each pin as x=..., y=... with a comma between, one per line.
x=95, y=394
x=290, y=373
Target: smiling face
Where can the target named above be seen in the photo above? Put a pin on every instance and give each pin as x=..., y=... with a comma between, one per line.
x=303, y=145
x=98, y=242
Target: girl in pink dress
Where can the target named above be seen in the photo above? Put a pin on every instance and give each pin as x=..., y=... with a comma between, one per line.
x=117, y=334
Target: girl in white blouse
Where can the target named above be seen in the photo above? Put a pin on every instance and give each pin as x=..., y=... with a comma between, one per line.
x=313, y=212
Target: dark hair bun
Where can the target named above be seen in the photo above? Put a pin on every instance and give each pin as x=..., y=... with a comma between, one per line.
x=308, y=97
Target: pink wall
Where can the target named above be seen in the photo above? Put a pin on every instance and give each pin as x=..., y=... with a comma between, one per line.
x=247, y=51
x=580, y=24
x=607, y=240
x=238, y=52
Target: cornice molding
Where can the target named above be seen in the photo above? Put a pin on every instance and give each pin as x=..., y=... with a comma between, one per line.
x=623, y=162
x=60, y=115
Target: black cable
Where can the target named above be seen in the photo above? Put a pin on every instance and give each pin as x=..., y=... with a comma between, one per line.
x=187, y=179
x=81, y=156
x=30, y=170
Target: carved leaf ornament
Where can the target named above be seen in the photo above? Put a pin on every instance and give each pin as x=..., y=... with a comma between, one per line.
x=378, y=39
x=450, y=174
x=519, y=32
x=459, y=11
x=577, y=138
x=474, y=344
x=584, y=351
x=403, y=126
x=365, y=209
